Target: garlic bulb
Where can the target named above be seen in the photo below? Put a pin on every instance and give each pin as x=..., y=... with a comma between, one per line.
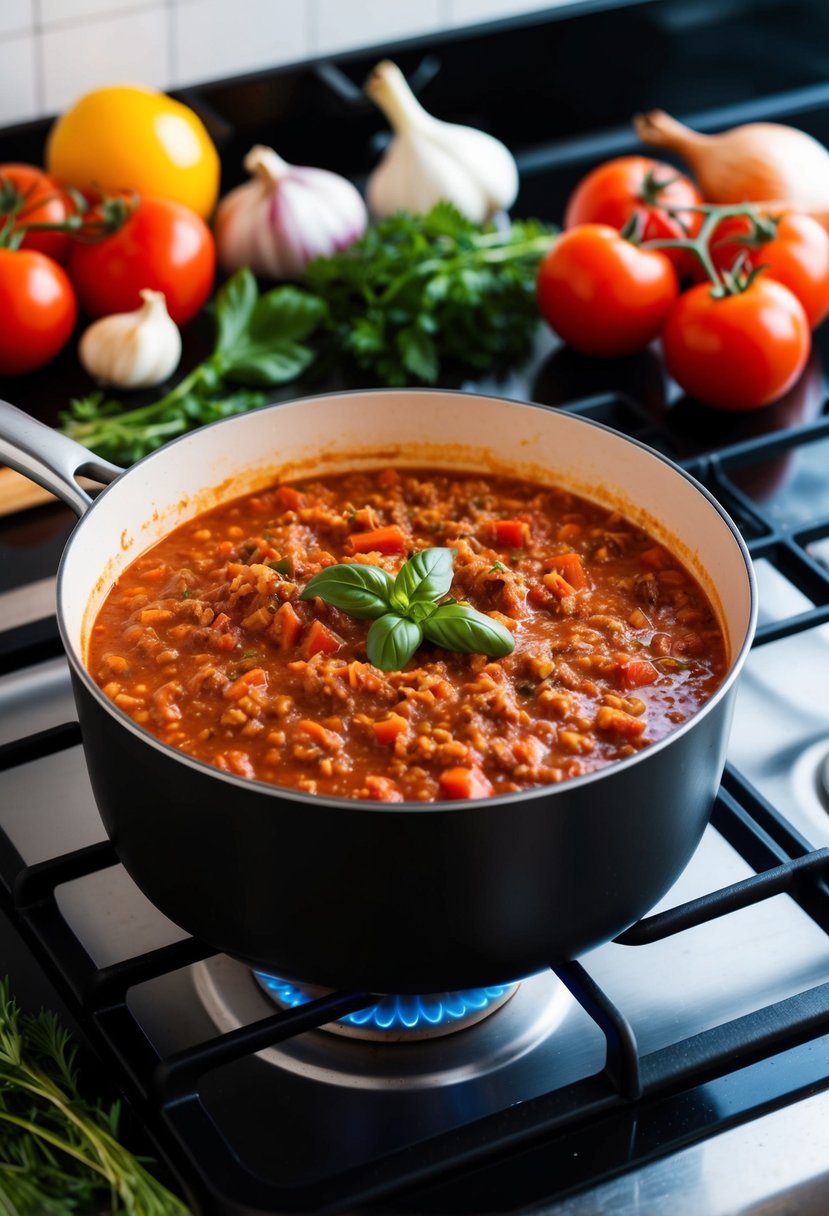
x=429, y=160
x=286, y=216
x=758, y=162
x=133, y=349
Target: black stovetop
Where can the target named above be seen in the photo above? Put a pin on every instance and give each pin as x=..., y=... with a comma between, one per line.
x=700, y=1020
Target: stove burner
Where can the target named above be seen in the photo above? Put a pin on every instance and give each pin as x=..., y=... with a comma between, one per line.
x=398, y=1018
x=823, y=779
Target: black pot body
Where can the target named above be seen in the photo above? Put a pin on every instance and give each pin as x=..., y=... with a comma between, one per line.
x=358, y=895
x=397, y=898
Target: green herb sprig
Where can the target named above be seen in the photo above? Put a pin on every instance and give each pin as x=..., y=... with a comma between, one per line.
x=409, y=608
x=418, y=293
x=260, y=343
x=59, y=1153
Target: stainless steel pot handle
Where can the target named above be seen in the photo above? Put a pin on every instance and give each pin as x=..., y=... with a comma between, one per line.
x=51, y=459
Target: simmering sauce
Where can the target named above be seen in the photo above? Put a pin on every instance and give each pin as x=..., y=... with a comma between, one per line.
x=204, y=640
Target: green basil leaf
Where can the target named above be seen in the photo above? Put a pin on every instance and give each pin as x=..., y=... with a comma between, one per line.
x=263, y=365
x=285, y=314
x=459, y=627
x=391, y=641
x=361, y=591
x=424, y=578
x=235, y=302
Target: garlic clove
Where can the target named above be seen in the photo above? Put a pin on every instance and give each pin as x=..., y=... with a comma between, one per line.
x=429, y=160
x=286, y=216
x=757, y=162
x=133, y=349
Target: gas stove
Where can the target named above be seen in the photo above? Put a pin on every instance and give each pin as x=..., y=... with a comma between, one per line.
x=685, y=1065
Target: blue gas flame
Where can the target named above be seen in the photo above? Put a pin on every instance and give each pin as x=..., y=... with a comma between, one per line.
x=399, y=1013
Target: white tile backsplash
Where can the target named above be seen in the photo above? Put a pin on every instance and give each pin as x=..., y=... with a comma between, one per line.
x=16, y=17
x=122, y=48
x=18, y=93
x=214, y=38
x=52, y=51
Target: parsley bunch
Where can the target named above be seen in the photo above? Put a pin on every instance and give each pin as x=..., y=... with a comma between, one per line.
x=418, y=294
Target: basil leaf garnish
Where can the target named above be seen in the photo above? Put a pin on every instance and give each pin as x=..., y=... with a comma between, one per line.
x=405, y=609
x=424, y=578
x=461, y=627
x=391, y=641
x=361, y=591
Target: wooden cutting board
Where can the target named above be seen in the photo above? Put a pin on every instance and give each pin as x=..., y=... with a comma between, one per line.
x=17, y=493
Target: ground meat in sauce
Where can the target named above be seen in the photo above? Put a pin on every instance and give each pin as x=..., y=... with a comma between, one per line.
x=205, y=642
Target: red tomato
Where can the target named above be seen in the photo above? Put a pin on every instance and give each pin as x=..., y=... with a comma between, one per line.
x=797, y=257
x=164, y=246
x=38, y=308
x=31, y=197
x=603, y=295
x=737, y=352
x=613, y=192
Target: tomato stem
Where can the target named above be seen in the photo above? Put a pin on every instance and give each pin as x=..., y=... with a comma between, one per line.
x=725, y=283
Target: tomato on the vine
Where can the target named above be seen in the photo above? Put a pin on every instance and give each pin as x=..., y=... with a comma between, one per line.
x=738, y=351
x=797, y=255
x=602, y=294
x=38, y=308
x=655, y=192
x=29, y=196
x=162, y=245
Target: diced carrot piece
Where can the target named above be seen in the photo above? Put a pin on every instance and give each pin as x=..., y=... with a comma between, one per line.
x=155, y=575
x=288, y=498
x=255, y=678
x=225, y=641
x=330, y=740
x=462, y=782
x=443, y=690
x=570, y=567
x=388, y=729
x=320, y=638
x=619, y=722
x=558, y=585
x=635, y=672
x=511, y=533
x=290, y=626
x=391, y=539
x=220, y=622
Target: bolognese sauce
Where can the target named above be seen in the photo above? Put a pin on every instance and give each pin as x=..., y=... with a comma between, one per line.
x=206, y=642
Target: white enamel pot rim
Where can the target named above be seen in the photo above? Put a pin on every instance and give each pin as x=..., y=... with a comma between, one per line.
x=369, y=429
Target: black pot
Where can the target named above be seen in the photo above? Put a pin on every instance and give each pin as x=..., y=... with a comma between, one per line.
x=401, y=898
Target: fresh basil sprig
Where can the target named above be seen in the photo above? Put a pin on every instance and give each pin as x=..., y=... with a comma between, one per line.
x=406, y=609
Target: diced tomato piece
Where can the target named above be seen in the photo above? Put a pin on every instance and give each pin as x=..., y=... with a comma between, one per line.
x=619, y=722
x=558, y=585
x=221, y=622
x=236, y=762
x=388, y=729
x=529, y=750
x=321, y=639
x=288, y=498
x=569, y=566
x=511, y=533
x=655, y=558
x=635, y=672
x=290, y=626
x=391, y=539
x=463, y=782
x=383, y=789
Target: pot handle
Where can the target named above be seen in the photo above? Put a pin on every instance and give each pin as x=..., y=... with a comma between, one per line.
x=49, y=458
